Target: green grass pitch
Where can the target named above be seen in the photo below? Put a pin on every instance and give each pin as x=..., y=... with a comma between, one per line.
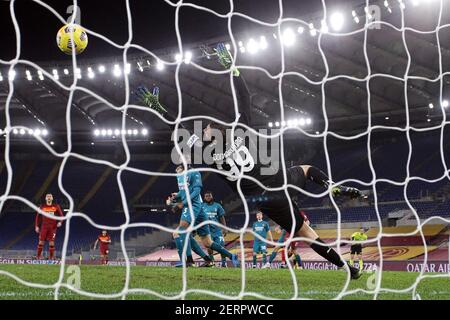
x=275, y=283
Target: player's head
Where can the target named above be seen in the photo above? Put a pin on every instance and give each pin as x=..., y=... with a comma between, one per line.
x=362, y=230
x=259, y=215
x=180, y=168
x=208, y=132
x=209, y=197
x=104, y=232
x=278, y=229
x=49, y=198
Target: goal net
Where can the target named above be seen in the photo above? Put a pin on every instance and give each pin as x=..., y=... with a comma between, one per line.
x=325, y=28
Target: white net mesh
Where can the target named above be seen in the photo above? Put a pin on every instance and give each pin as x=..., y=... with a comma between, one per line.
x=64, y=156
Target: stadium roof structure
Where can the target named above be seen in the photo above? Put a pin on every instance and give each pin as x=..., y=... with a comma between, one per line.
x=37, y=103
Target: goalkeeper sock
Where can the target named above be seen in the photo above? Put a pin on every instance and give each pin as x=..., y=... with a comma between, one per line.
x=39, y=251
x=198, y=250
x=361, y=264
x=51, y=249
x=264, y=258
x=327, y=252
x=273, y=256
x=217, y=247
x=299, y=260
x=317, y=176
x=254, y=260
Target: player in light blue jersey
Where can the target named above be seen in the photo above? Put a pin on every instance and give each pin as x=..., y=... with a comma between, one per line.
x=261, y=228
x=180, y=201
x=215, y=213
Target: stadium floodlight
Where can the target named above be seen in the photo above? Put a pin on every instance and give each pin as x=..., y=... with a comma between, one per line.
x=324, y=27
x=302, y=121
x=445, y=103
x=101, y=68
x=228, y=46
x=116, y=71
x=415, y=3
x=300, y=29
x=127, y=68
x=386, y=3
x=78, y=73
x=242, y=49
x=308, y=121
x=151, y=142
x=295, y=122
x=312, y=30
x=288, y=37
x=96, y=132
x=187, y=57
x=37, y=132
x=290, y=123
x=178, y=58
x=30, y=132
x=129, y=132
x=283, y=123
x=144, y=132
x=22, y=131
x=15, y=131
x=29, y=77
x=103, y=132
x=55, y=74
x=270, y=124
x=135, y=132
x=40, y=75
x=140, y=66
x=123, y=132
x=52, y=142
x=1, y=77
x=116, y=132
x=240, y=44
x=252, y=46
x=428, y=120
x=11, y=74
x=109, y=132
x=91, y=73
x=356, y=19
x=337, y=21
x=44, y=132
x=160, y=65
x=353, y=13
x=431, y=106
x=66, y=71
x=386, y=118
x=277, y=124
x=92, y=143
x=263, y=43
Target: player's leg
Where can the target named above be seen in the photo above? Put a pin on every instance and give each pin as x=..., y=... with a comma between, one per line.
x=51, y=236
x=274, y=253
x=352, y=255
x=223, y=261
x=256, y=250
x=180, y=239
x=42, y=238
x=211, y=254
x=205, y=236
x=199, y=251
x=361, y=263
x=264, y=256
x=279, y=210
x=297, y=257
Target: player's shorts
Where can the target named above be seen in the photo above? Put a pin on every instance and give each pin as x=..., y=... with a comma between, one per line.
x=356, y=249
x=104, y=251
x=218, y=238
x=259, y=247
x=47, y=234
x=200, y=216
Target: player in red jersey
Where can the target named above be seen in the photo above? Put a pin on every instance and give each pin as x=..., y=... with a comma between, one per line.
x=104, y=240
x=46, y=227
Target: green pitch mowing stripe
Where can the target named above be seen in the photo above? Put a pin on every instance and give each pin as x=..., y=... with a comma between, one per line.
x=275, y=283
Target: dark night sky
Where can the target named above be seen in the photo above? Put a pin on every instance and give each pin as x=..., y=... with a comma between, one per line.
x=153, y=23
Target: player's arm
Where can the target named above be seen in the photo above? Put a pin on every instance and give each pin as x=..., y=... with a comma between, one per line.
x=95, y=244
x=270, y=235
x=242, y=92
x=60, y=213
x=221, y=213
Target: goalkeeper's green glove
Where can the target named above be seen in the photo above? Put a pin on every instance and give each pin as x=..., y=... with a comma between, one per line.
x=225, y=58
x=150, y=99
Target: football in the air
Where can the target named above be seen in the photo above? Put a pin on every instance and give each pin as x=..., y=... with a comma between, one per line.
x=72, y=36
